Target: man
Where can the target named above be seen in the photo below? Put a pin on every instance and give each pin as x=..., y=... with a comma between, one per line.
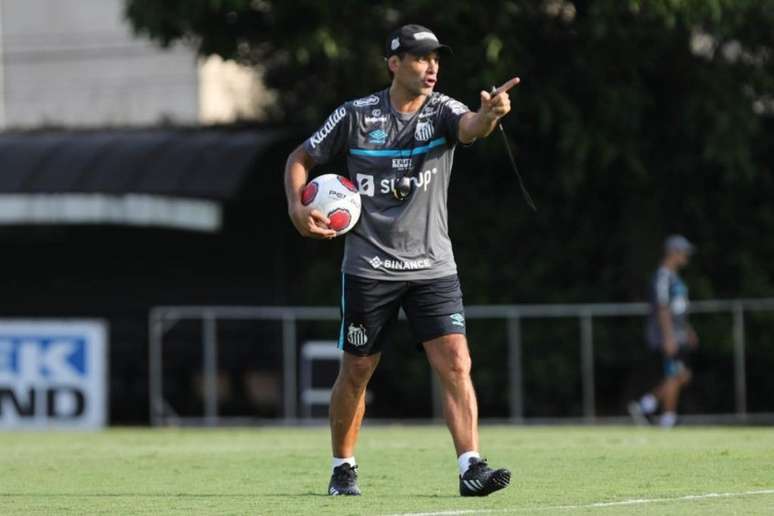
x=670, y=333
x=399, y=144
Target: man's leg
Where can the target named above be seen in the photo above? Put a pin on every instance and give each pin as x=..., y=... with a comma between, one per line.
x=348, y=401
x=346, y=414
x=450, y=358
x=668, y=392
x=368, y=308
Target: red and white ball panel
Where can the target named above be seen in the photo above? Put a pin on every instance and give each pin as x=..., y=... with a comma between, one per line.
x=337, y=198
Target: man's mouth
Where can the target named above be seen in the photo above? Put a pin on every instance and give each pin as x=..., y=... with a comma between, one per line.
x=429, y=82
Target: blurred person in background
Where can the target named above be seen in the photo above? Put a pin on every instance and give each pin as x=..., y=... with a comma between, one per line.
x=669, y=333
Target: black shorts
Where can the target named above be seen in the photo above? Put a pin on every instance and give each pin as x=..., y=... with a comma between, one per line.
x=369, y=308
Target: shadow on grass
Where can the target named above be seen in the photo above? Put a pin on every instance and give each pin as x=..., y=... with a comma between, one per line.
x=436, y=496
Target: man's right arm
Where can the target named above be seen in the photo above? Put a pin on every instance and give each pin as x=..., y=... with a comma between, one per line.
x=309, y=223
x=667, y=331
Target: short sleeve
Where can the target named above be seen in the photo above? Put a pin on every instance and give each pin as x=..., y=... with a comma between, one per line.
x=450, y=114
x=331, y=138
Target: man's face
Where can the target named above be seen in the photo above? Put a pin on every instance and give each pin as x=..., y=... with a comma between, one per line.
x=417, y=74
x=681, y=258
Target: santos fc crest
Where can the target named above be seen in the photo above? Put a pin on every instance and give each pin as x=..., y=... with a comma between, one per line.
x=356, y=335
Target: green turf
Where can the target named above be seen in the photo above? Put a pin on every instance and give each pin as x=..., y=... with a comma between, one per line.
x=402, y=469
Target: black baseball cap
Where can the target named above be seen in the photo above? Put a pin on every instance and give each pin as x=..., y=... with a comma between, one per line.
x=414, y=39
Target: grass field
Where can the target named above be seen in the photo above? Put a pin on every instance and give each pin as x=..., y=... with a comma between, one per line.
x=403, y=469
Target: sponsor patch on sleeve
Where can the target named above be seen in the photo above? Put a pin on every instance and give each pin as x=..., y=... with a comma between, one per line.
x=366, y=101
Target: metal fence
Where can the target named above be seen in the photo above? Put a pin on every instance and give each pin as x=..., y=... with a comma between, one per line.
x=163, y=318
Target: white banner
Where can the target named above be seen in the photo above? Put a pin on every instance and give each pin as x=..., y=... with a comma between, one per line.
x=129, y=209
x=53, y=374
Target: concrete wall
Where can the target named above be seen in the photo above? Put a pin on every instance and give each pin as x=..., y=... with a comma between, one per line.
x=76, y=63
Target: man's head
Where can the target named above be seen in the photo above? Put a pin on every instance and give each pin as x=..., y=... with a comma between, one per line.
x=412, y=55
x=677, y=251
x=413, y=39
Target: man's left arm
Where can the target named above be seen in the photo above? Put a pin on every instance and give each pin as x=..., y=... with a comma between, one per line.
x=494, y=106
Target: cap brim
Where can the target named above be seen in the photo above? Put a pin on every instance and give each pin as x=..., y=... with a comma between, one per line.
x=688, y=247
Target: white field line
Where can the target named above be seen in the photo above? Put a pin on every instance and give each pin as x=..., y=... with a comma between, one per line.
x=634, y=501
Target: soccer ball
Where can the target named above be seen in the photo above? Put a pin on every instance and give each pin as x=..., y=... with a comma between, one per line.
x=336, y=197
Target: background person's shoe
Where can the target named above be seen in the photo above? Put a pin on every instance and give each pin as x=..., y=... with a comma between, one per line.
x=668, y=420
x=638, y=416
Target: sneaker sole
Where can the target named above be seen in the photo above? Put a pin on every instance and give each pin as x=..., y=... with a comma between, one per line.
x=500, y=479
x=333, y=492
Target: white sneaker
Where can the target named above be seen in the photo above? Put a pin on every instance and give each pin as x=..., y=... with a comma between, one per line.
x=668, y=420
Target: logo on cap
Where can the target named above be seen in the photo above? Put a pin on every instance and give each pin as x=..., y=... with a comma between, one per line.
x=425, y=35
x=395, y=43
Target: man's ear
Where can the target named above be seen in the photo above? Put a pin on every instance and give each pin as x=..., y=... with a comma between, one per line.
x=393, y=63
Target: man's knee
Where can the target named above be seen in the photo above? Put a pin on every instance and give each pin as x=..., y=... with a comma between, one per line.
x=451, y=356
x=460, y=363
x=357, y=371
x=685, y=376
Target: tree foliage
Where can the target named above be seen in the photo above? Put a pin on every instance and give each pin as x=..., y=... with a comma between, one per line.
x=634, y=119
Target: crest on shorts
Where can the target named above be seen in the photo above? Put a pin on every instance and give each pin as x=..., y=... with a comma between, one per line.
x=356, y=335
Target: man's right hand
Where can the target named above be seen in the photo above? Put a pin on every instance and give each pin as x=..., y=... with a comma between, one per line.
x=311, y=223
x=670, y=347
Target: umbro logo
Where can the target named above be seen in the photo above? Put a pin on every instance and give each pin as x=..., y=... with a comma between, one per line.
x=457, y=319
x=378, y=136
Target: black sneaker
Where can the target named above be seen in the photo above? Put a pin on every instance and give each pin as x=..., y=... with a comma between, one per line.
x=481, y=480
x=344, y=481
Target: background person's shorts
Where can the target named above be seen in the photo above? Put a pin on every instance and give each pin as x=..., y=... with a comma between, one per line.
x=673, y=366
x=370, y=307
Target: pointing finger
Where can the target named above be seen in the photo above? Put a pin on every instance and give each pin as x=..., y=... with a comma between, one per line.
x=507, y=86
